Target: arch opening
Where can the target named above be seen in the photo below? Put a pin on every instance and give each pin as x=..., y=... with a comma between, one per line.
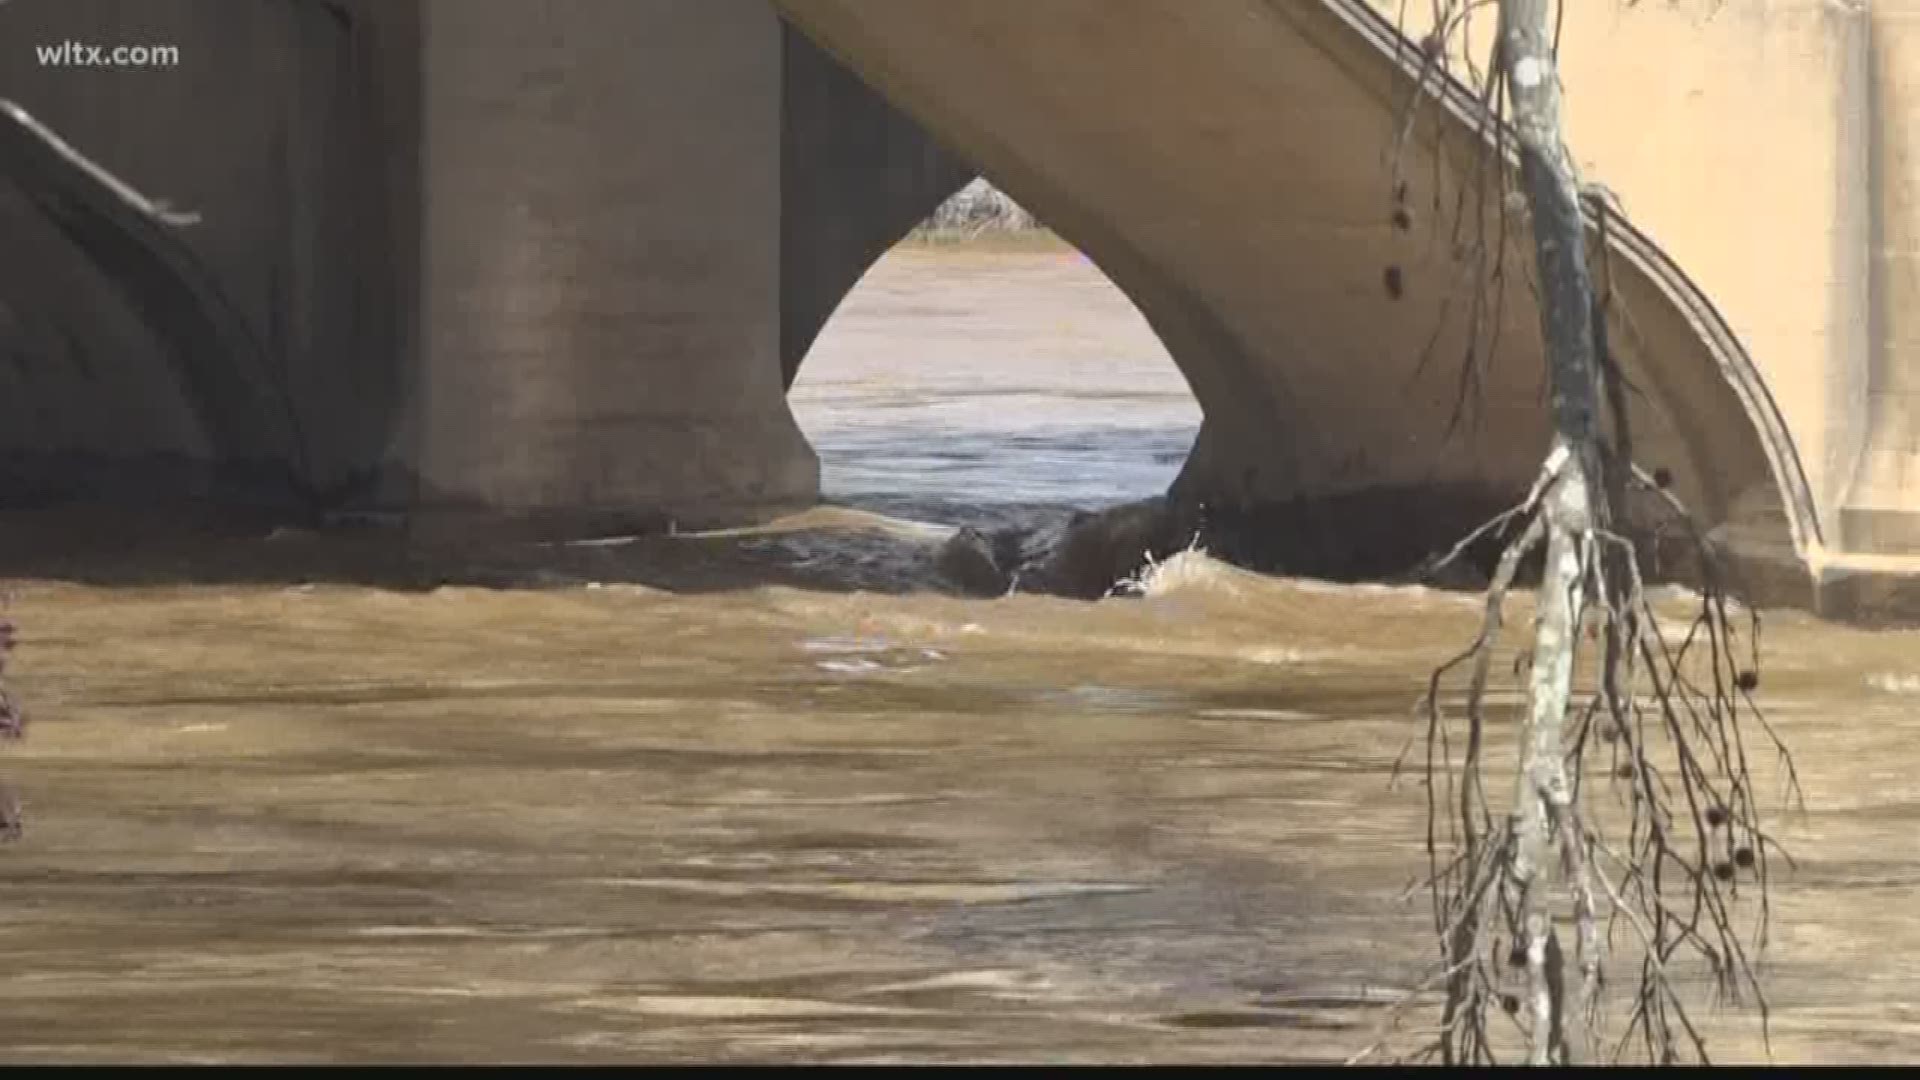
x=986, y=374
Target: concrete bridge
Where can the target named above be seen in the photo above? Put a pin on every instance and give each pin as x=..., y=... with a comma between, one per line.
x=558, y=260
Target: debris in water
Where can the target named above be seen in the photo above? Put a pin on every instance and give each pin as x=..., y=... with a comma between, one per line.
x=967, y=560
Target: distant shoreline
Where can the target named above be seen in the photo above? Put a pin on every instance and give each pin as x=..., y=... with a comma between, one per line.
x=982, y=217
x=959, y=240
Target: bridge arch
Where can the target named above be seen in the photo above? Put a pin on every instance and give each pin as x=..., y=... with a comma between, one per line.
x=1227, y=165
x=147, y=340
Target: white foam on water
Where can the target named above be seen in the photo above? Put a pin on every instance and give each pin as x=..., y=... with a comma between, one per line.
x=842, y=646
x=1888, y=682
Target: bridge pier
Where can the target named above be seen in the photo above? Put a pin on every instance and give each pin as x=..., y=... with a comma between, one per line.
x=1881, y=513
x=599, y=314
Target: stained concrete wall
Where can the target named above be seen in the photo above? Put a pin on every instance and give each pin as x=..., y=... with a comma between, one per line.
x=1882, y=506
x=1767, y=145
x=489, y=261
x=1744, y=152
x=264, y=128
x=602, y=269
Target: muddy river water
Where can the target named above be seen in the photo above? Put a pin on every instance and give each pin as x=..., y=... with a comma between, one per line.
x=721, y=812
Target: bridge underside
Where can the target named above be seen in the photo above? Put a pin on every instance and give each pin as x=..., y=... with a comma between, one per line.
x=1237, y=177
x=476, y=260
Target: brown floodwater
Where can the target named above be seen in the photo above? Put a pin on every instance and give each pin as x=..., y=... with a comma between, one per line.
x=680, y=800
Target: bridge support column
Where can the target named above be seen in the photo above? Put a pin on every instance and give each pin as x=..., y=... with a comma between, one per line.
x=1881, y=515
x=599, y=332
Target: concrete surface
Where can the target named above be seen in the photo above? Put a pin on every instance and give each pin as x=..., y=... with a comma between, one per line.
x=1238, y=179
x=250, y=131
x=601, y=311
x=559, y=260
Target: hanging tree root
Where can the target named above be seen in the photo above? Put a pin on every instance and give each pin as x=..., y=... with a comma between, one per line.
x=1674, y=864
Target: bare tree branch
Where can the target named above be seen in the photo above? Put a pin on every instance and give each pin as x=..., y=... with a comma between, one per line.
x=1657, y=724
